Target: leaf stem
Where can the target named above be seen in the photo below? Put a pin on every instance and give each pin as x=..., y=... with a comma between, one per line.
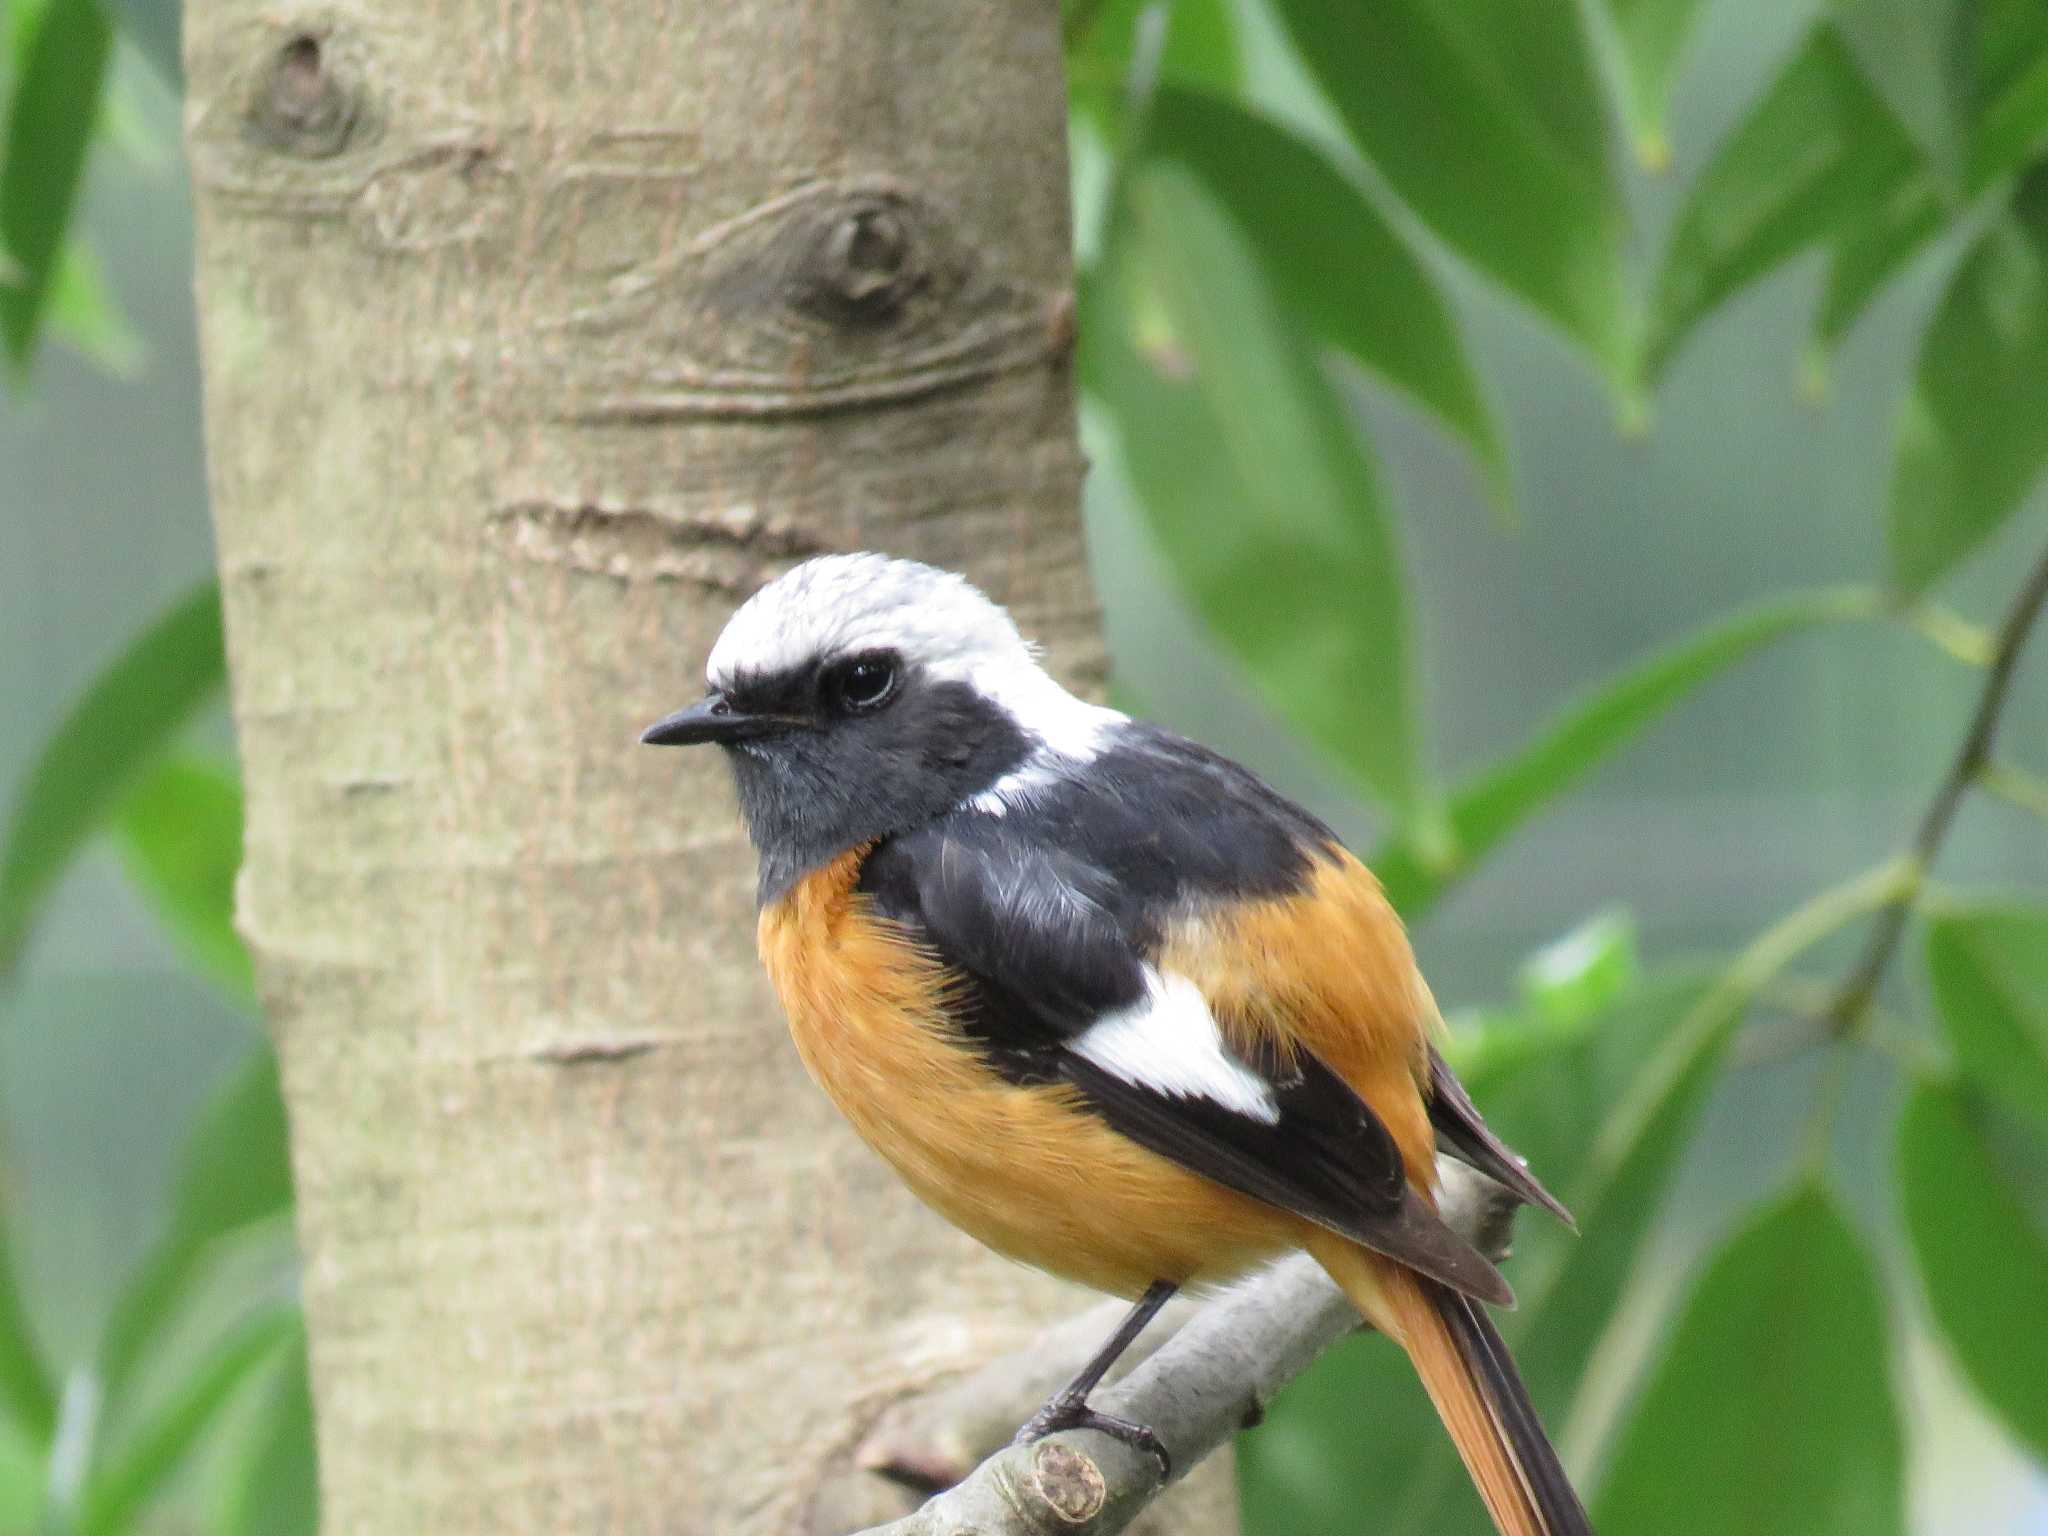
x=1800, y=1004
x=1852, y=1001
x=1951, y=633
x=2016, y=787
x=1816, y=1138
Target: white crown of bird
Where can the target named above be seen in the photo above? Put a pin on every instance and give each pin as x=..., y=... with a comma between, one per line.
x=842, y=605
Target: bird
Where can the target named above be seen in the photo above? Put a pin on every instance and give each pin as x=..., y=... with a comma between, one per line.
x=1100, y=996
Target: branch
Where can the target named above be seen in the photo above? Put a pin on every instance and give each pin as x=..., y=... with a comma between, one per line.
x=1211, y=1379
x=1853, y=1000
x=935, y=1438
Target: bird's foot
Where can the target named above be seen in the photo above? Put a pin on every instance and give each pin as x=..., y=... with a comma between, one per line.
x=1067, y=1412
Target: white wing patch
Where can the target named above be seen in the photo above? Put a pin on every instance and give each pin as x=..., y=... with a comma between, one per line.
x=1168, y=1042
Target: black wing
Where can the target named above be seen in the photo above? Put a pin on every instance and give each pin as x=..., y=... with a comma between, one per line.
x=1469, y=1139
x=1048, y=943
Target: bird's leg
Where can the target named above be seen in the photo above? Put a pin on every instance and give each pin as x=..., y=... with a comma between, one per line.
x=1068, y=1408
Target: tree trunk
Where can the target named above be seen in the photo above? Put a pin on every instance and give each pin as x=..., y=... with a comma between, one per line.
x=535, y=337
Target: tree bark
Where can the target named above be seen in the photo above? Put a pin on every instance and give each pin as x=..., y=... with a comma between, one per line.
x=535, y=337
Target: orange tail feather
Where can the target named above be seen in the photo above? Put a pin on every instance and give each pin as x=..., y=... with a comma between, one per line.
x=1472, y=1381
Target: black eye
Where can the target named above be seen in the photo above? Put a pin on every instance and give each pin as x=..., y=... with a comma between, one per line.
x=861, y=683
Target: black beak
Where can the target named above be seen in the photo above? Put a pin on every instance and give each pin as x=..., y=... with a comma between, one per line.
x=712, y=718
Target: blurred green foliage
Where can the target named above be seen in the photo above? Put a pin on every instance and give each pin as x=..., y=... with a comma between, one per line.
x=62, y=63
x=1782, y=1337
x=1245, y=249
x=110, y=740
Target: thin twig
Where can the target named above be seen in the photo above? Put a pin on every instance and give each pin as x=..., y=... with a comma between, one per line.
x=1795, y=1021
x=1860, y=985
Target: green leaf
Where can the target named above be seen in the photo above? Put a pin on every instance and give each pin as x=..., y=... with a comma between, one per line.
x=1819, y=153
x=1973, y=438
x=1254, y=482
x=1914, y=53
x=49, y=128
x=1586, y=970
x=1332, y=259
x=275, y=1490
x=103, y=746
x=238, y=1163
x=85, y=316
x=1869, y=254
x=1512, y=169
x=27, y=1395
x=1998, y=72
x=1771, y=1409
x=1653, y=35
x=181, y=833
x=21, y=1479
x=237, y=1172
x=1345, y=1429
x=121, y=1486
x=1619, y=1196
x=2007, y=65
x=1491, y=806
x=1199, y=45
x=1989, y=967
x=1982, y=1260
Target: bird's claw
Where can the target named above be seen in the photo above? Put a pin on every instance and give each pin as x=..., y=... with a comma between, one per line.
x=1074, y=1413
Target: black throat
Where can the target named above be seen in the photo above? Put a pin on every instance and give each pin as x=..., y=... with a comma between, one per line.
x=814, y=791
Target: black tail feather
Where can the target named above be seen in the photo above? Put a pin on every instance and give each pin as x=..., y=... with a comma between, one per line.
x=1486, y=1355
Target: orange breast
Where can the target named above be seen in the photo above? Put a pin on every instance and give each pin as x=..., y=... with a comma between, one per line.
x=1024, y=1169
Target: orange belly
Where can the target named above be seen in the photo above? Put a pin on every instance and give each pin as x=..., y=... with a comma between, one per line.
x=1026, y=1170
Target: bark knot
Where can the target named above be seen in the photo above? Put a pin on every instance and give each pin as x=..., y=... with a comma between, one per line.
x=838, y=294
x=305, y=103
x=864, y=268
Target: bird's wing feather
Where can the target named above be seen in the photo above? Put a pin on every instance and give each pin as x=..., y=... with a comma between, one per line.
x=1466, y=1136
x=1056, y=986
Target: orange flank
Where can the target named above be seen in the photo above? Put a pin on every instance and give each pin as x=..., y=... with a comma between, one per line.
x=1025, y=1169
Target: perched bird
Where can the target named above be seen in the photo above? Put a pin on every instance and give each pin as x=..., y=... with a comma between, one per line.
x=1102, y=998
